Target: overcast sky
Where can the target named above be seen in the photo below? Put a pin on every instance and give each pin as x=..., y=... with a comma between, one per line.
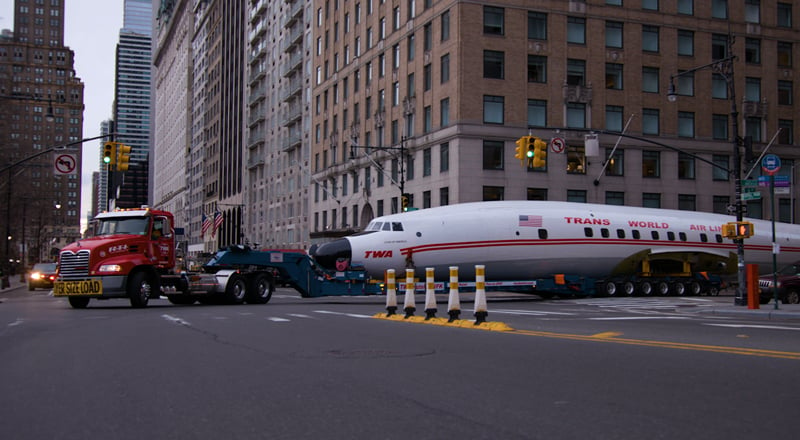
x=92, y=32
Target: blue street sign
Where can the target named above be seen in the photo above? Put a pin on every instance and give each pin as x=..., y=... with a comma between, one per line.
x=771, y=164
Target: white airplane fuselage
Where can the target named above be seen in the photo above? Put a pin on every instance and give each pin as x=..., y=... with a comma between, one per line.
x=523, y=240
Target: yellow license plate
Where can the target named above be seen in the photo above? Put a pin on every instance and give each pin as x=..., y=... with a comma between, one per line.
x=77, y=288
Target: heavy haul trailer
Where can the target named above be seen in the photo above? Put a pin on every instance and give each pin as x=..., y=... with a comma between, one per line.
x=132, y=255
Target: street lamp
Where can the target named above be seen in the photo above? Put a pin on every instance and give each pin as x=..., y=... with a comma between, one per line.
x=724, y=68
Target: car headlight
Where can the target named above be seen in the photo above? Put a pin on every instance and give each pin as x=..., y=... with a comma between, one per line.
x=36, y=276
x=110, y=268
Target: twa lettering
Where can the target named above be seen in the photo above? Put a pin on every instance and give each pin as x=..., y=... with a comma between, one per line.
x=587, y=221
x=652, y=225
x=378, y=254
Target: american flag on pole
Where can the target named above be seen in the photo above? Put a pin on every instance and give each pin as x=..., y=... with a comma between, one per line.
x=205, y=225
x=217, y=222
x=533, y=221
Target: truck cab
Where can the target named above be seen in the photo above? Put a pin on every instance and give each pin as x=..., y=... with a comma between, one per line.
x=788, y=285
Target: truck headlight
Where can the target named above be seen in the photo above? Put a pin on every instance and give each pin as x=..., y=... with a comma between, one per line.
x=110, y=268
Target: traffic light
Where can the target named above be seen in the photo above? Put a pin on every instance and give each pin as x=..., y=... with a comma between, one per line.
x=745, y=229
x=537, y=152
x=109, y=153
x=738, y=230
x=520, y=152
x=404, y=202
x=123, y=157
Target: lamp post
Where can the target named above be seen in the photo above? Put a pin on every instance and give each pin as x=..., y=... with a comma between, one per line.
x=724, y=67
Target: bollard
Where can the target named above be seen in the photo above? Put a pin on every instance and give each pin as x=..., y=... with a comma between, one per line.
x=408, y=304
x=453, y=303
x=430, y=294
x=391, y=293
x=481, y=311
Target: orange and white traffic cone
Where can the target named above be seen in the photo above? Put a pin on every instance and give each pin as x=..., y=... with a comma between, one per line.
x=408, y=305
x=391, y=293
x=430, y=294
x=453, y=303
x=481, y=310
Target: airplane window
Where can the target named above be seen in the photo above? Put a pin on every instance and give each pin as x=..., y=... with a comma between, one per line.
x=377, y=226
x=604, y=232
x=387, y=226
x=543, y=234
x=588, y=232
x=682, y=236
x=670, y=236
x=620, y=233
x=636, y=234
x=397, y=226
x=654, y=234
x=704, y=238
x=719, y=238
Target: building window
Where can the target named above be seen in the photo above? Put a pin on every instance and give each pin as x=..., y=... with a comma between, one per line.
x=719, y=87
x=686, y=7
x=786, y=136
x=537, y=25
x=493, y=193
x=650, y=38
x=426, y=162
x=719, y=46
x=428, y=119
x=615, y=198
x=576, y=159
x=446, y=25
x=493, y=20
x=720, y=127
x=687, y=202
x=719, y=9
x=537, y=112
x=752, y=89
x=444, y=157
x=576, y=195
x=493, y=64
x=721, y=166
x=427, y=37
x=614, y=118
x=537, y=69
x=493, y=109
x=651, y=200
x=686, y=124
x=614, y=76
x=752, y=11
x=616, y=162
x=685, y=166
x=651, y=164
x=444, y=112
x=537, y=194
x=576, y=30
x=785, y=15
x=686, y=43
x=785, y=93
x=576, y=115
x=752, y=127
x=686, y=84
x=650, y=4
x=427, y=78
x=720, y=204
x=614, y=34
x=576, y=72
x=444, y=196
x=650, y=123
x=445, y=68
x=650, y=82
x=493, y=155
x=784, y=54
x=752, y=51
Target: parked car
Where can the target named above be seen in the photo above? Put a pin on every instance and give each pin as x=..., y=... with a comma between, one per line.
x=788, y=285
x=42, y=276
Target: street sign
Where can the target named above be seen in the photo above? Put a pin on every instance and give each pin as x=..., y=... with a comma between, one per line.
x=65, y=164
x=750, y=182
x=754, y=195
x=557, y=145
x=771, y=164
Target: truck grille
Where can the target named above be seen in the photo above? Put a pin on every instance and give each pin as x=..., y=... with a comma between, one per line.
x=74, y=265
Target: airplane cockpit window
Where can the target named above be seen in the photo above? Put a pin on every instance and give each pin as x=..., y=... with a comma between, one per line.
x=604, y=232
x=397, y=226
x=543, y=234
x=719, y=238
x=670, y=236
x=387, y=226
x=704, y=238
x=588, y=232
x=654, y=234
x=375, y=226
x=636, y=234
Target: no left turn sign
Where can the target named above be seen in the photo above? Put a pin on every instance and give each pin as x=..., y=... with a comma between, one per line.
x=557, y=145
x=65, y=164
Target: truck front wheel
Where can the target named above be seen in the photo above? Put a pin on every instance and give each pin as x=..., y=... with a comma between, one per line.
x=78, y=302
x=139, y=289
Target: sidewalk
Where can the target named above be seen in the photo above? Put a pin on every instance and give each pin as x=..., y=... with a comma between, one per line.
x=15, y=284
x=766, y=311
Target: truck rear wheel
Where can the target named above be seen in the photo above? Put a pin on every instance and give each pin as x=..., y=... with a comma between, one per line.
x=139, y=288
x=663, y=288
x=646, y=288
x=78, y=302
x=610, y=288
x=236, y=290
x=261, y=290
x=629, y=288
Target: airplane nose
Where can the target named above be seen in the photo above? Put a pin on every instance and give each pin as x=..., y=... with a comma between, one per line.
x=327, y=254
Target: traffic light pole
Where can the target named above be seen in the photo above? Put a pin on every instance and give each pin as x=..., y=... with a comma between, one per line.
x=401, y=149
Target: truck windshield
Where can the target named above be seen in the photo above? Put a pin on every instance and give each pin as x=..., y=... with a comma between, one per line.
x=112, y=226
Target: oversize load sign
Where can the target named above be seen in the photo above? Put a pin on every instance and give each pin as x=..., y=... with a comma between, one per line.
x=77, y=288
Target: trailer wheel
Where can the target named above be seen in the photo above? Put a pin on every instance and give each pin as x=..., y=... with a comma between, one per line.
x=679, y=288
x=792, y=297
x=139, y=288
x=629, y=288
x=695, y=288
x=78, y=302
x=261, y=290
x=236, y=290
x=663, y=288
x=610, y=288
x=713, y=291
x=646, y=288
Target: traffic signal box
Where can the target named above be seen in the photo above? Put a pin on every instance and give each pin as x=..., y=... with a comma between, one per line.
x=521, y=151
x=404, y=201
x=537, y=152
x=737, y=230
x=123, y=157
x=110, y=153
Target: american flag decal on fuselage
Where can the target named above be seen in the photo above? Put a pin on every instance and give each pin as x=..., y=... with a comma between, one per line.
x=533, y=221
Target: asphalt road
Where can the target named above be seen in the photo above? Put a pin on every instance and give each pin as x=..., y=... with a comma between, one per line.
x=329, y=368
